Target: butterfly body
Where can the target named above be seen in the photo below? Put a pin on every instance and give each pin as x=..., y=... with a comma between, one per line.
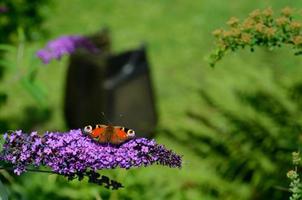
x=109, y=134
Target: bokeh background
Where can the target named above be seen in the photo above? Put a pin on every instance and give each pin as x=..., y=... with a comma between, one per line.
x=235, y=125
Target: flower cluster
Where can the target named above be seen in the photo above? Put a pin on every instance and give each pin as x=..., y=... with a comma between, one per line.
x=295, y=183
x=74, y=154
x=260, y=28
x=65, y=45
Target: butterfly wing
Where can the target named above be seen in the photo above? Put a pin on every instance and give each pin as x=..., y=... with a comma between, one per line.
x=118, y=136
x=99, y=133
x=109, y=134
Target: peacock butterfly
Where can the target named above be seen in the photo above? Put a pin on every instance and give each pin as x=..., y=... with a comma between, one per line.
x=109, y=134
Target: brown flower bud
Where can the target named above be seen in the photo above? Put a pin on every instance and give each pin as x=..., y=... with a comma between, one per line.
x=269, y=32
x=280, y=21
x=287, y=11
x=217, y=32
x=295, y=25
x=248, y=24
x=297, y=40
x=246, y=38
x=268, y=12
x=255, y=13
x=233, y=21
x=259, y=27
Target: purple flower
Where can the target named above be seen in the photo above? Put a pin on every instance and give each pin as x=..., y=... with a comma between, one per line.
x=65, y=45
x=74, y=154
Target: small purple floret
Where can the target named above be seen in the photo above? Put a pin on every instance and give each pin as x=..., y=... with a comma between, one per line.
x=65, y=45
x=73, y=153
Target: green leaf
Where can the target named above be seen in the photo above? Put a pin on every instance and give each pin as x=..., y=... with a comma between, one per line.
x=7, y=64
x=7, y=47
x=3, y=98
x=34, y=90
x=21, y=34
x=3, y=192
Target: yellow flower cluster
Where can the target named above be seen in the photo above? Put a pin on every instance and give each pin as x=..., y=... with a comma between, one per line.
x=260, y=28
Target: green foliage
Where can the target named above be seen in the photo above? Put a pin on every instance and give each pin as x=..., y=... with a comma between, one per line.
x=20, y=68
x=21, y=13
x=24, y=67
x=261, y=28
x=178, y=35
x=256, y=139
x=20, y=21
x=3, y=192
x=253, y=148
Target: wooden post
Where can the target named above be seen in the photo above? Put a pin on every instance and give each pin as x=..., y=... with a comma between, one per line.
x=118, y=85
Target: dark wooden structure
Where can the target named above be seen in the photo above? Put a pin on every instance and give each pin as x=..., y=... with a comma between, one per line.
x=118, y=85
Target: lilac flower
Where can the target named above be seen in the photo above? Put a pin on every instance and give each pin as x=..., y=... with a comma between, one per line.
x=65, y=45
x=74, y=154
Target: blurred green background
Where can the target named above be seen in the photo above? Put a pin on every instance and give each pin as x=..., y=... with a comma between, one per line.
x=234, y=124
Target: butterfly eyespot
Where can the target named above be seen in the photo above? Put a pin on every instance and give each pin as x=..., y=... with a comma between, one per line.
x=88, y=129
x=130, y=133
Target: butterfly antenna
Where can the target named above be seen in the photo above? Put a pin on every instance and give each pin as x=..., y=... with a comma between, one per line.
x=106, y=119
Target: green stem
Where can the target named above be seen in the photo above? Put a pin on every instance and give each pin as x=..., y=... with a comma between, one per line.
x=30, y=170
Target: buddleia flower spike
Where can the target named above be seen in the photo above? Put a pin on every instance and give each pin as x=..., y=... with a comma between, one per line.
x=74, y=154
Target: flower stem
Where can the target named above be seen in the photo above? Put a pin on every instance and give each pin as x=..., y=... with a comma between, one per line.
x=30, y=170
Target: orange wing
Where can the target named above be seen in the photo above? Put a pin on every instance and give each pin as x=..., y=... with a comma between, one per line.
x=99, y=133
x=118, y=136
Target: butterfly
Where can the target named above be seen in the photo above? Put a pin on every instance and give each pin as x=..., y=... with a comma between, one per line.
x=109, y=134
